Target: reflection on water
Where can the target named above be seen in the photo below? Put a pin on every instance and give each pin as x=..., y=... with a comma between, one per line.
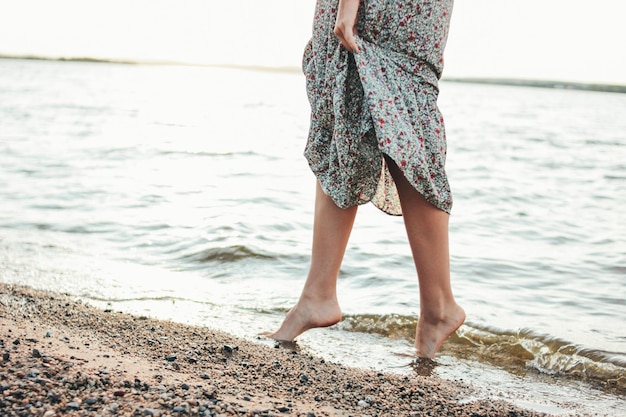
x=182, y=193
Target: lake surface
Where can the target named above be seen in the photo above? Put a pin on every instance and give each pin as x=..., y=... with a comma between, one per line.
x=181, y=193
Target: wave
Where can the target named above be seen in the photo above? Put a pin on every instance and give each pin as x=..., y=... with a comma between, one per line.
x=225, y=254
x=517, y=352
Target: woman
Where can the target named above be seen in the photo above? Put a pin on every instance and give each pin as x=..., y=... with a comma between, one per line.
x=376, y=135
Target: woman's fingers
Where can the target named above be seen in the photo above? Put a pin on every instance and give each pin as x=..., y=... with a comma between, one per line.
x=345, y=25
x=346, y=37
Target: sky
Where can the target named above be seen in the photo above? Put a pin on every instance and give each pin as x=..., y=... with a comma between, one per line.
x=568, y=40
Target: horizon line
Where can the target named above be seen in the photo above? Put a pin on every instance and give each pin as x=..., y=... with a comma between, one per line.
x=515, y=82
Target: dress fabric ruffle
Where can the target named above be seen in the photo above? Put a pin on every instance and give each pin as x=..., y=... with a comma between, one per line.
x=379, y=101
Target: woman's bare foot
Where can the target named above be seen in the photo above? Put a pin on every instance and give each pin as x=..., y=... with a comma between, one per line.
x=433, y=331
x=307, y=314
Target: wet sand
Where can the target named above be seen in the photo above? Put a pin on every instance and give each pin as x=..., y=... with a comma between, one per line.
x=62, y=357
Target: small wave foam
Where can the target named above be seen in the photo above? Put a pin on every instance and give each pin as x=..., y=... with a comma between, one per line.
x=517, y=352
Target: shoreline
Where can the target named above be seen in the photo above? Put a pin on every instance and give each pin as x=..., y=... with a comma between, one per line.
x=61, y=356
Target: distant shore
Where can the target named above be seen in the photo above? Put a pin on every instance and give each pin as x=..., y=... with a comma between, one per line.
x=562, y=85
x=61, y=356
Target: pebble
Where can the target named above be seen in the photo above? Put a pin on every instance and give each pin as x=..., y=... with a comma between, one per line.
x=36, y=353
x=73, y=406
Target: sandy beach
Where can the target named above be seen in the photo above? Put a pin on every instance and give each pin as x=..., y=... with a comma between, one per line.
x=62, y=357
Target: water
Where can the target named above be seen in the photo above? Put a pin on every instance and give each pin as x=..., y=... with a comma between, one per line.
x=182, y=193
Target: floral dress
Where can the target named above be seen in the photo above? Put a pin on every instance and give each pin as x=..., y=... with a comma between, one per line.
x=379, y=101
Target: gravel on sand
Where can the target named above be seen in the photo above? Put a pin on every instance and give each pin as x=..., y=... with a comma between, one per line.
x=62, y=357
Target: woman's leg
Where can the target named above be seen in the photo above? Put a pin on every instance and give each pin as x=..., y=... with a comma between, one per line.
x=318, y=306
x=427, y=230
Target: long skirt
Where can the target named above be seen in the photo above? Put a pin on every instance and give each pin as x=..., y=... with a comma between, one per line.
x=380, y=101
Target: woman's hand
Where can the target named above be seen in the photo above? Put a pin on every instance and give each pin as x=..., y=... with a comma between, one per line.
x=345, y=25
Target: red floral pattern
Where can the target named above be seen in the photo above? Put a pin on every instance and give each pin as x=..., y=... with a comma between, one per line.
x=379, y=101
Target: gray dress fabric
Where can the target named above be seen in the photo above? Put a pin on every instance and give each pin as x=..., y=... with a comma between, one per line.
x=379, y=101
